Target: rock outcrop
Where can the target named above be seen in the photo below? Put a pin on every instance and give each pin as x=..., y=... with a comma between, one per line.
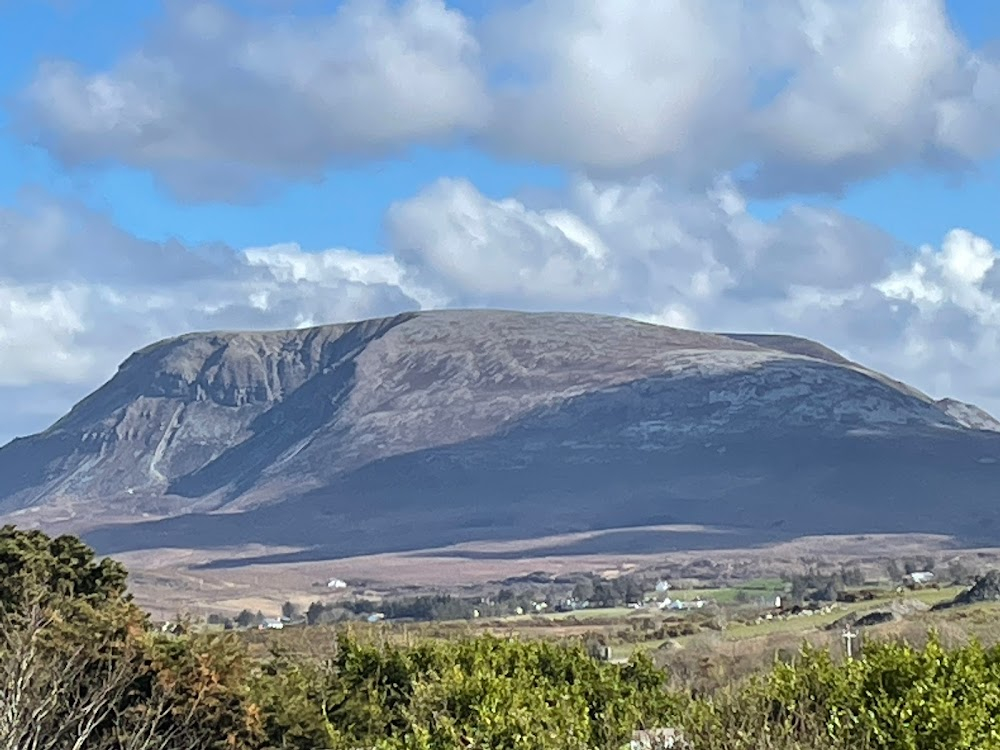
x=463, y=424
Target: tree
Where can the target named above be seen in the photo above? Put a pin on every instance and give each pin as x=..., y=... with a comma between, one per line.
x=103, y=694
x=959, y=572
x=246, y=618
x=290, y=611
x=827, y=593
x=314, y=613
x=853, y=576
x=478, y=693
x=60, y=571
x=583, y=590
x=799, y=588
x=634, y=590
x=893, y=570
x=604, y=594
x=79, y=667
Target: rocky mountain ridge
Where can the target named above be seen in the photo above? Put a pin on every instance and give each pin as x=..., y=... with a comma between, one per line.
x=243, y=421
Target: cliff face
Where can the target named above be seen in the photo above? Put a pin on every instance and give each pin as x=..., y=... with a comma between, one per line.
x=237, y=421
x=176, y=406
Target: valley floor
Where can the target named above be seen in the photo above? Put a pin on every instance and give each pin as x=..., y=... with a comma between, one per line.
x=168, y=582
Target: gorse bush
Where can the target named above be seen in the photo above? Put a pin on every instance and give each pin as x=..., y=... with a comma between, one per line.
x=483, y=693
x=80, y=668
x=897, y=696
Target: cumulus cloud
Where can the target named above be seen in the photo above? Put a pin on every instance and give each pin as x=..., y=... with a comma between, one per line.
x=472, y=251
x=811, y=95
x=702, y=261
x=803, y=96
x=671, y=114
x=625, y=247
x=77, y=293
x=641, y=248
x=38, y=326
x=219, y=105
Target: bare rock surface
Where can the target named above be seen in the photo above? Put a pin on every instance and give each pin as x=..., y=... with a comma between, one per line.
x=442, y=427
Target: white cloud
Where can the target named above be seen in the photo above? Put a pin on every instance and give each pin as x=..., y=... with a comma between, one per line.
x=870, y=82
x=699, y=260
x=620, y=85
x=77, y=294
x=656, y=105
x=955, y=275
x=639, y=248
x=812, y=94
x=218, y=105
x=38, y=328
x=468, y=250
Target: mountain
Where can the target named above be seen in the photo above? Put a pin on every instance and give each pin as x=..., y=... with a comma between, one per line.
x=437, y=427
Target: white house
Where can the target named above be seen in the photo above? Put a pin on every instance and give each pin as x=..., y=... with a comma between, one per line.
x=678, y=604
x=272, y=624
x=920, y=576
x=336, y=583
x=662, y=586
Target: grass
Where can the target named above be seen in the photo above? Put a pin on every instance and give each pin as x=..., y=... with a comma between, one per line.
x=620, y=624
x=814, y=622
x=756, y=588
x=593, y=614
x=609, y=613
x=802, y=625
x=935, y=596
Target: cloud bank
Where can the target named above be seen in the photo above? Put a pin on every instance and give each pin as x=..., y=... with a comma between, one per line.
x=670, y=114
x=804, y=96
x=639, y=249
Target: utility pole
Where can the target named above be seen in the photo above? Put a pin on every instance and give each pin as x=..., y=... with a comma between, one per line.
x=849, y=637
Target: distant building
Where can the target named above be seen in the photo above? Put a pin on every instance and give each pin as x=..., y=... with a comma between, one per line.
x=271, y=623
x=678, y=604
x=919, y=577
x=336, y=583
x=662, y=586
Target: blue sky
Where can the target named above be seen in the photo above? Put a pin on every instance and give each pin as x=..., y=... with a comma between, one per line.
x=298, y=162
x=343, y=209
x=351, y=201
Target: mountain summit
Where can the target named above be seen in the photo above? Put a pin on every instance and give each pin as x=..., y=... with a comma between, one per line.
x=456, y=425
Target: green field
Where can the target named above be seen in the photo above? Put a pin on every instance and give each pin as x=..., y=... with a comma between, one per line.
x=609, y=613
x=740, y=631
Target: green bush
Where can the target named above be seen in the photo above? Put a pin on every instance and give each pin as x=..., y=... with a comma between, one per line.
x=79, y=667
x=897, y=696
x=483, y=692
